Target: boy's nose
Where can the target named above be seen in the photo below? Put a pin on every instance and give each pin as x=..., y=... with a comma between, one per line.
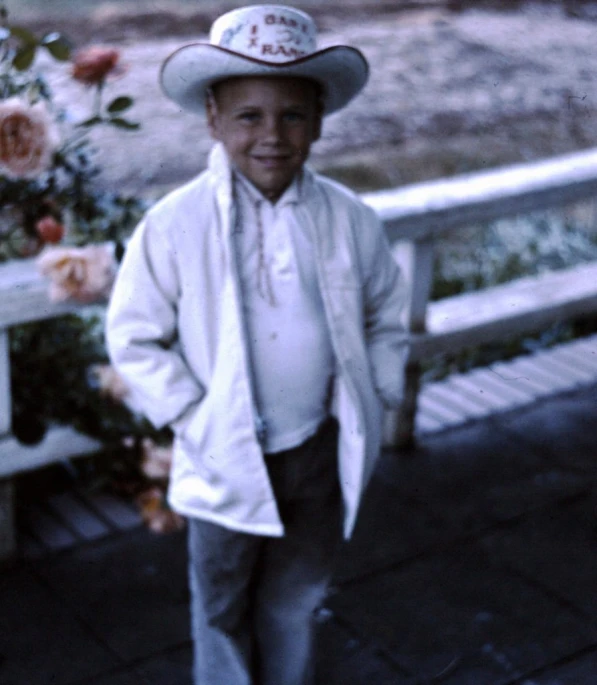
x=273, y=129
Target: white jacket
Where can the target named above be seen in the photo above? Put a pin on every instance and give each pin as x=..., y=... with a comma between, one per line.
x=175, y=334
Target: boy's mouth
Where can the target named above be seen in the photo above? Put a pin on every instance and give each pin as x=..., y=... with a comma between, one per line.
x=271, y=160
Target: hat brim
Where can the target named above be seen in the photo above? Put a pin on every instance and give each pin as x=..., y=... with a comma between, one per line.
x=341, y=70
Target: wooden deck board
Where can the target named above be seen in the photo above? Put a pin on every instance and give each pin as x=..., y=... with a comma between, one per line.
x=560, y=367
x=506, y=385
x=469, y=408
x=117, y=512
x=529, y=368
x=535, y=386
x=441, y=410
x=475, y=386
x=577, y=358
x=51, y=532
x=86, y=524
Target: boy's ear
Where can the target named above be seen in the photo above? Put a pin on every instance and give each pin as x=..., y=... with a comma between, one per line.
x=211, y=112
x=318, y=119
x=318, y=124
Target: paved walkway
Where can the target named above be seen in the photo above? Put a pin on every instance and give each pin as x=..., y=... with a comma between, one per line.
x=474, y=563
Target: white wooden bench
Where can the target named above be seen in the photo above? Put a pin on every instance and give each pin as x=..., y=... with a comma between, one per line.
x=414, y=218
x=24, y=299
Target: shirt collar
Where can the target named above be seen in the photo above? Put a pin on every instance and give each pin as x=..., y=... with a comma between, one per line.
x=292, y=194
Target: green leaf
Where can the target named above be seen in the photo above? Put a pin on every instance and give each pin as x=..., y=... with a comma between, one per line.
x=57, y=46
x=120, y=104
x=24, y=58
x=91, y=122
x=123, y=123
x=24, y=35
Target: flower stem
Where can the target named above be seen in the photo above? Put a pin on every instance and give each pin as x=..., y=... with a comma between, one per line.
x=98, y=99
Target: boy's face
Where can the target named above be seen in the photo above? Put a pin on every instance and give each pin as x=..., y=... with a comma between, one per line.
x=267, y=126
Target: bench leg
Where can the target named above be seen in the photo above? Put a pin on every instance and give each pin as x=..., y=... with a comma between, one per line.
x=404, y=420
x=8, y=542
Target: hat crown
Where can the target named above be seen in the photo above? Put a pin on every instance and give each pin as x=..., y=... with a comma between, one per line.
x=269, y=33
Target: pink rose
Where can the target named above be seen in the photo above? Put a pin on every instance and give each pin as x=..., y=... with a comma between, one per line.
x=85, y=274
x=49, y=229
x=93, y=65
x=27, y=138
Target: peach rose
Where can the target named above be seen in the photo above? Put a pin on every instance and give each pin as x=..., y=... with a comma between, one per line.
x=93, y=65
x=110, y=383
x=156, y=514
x=85, y=274
x=28, y=138
x=157, y=460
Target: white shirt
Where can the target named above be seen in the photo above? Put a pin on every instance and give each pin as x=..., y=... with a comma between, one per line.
x=289, y=343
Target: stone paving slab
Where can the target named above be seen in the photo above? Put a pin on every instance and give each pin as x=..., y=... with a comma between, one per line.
x=131, y=590
x=561, y=429
x=461, y=608
x=41, y=641
x=581, y=671
x=170, y=668
x=355, y=660
x=449, y=488
x=556, y=548
x=473, y=564
x=173, y=668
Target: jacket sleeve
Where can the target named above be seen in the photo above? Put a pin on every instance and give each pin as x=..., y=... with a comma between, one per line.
x=141, y=329
x=385, y=298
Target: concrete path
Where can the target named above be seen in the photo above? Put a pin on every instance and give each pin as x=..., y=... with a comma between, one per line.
x=474, y=563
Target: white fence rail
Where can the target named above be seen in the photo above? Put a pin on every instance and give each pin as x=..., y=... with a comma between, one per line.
x=415, y=216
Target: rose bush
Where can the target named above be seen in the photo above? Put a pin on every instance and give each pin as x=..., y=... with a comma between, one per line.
x=53, y=208
x=47, y=163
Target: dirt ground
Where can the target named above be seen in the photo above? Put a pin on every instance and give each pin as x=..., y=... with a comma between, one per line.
x=450, y=91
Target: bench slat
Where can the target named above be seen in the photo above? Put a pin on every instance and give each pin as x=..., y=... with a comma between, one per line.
x=60, y=443
x=24, y=295
x=521, y=306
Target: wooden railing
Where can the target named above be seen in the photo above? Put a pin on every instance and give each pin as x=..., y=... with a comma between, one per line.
x=414, y=217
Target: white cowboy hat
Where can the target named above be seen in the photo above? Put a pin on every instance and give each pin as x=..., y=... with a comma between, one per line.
x=263, y=40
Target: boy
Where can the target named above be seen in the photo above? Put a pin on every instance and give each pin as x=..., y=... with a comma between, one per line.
x=257, y=312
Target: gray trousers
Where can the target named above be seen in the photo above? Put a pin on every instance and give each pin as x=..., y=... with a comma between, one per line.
x=253, y=598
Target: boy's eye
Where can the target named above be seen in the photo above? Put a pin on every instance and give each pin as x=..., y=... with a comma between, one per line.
x=294, y=116
x=249, y=117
